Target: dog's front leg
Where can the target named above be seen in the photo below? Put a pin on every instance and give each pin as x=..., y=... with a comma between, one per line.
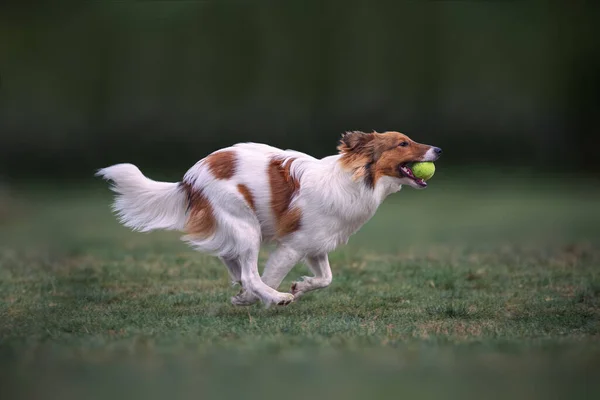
x=319, y=265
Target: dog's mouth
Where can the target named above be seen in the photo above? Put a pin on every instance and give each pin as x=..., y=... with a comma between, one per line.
x=407, y=172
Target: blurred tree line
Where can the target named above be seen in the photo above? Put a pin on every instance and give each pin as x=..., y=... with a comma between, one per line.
x=162, y=83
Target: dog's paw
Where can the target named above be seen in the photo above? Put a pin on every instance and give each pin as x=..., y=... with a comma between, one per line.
x=300, y=287
x=285, y=299
x=294, y=288
x=278, y=298
x=243, y=298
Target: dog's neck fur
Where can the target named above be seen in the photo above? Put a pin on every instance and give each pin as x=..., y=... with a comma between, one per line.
x=353, y=196
x=348, y=178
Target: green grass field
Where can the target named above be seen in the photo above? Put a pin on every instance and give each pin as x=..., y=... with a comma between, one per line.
x=471, y=288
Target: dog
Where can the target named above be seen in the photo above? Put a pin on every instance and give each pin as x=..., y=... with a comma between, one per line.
x=231, y=201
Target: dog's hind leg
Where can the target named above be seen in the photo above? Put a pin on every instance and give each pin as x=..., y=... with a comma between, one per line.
x=319, y=265
x=279, y=264
x=252, y=283
x=235, y=238
x=234, y=268
x=244, y=297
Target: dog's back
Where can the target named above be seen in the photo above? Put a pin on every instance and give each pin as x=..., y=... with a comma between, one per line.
x=253, y=176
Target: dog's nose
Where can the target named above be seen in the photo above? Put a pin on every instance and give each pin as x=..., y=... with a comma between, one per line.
x=437, y=150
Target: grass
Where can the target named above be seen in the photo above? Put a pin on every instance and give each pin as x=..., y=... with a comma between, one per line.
x=457, y=291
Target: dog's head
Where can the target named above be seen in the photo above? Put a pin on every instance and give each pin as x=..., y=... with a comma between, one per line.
x=374, y=155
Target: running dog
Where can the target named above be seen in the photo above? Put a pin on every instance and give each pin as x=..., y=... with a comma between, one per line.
x=231, y=201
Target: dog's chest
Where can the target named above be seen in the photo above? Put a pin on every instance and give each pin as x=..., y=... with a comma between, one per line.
x=348, y=221
x=357, y=210
x=353, y=221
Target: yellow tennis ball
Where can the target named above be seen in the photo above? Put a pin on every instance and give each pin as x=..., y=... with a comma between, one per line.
x=423, y=170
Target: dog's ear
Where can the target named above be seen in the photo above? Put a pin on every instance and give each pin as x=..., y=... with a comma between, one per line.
x=355, y=141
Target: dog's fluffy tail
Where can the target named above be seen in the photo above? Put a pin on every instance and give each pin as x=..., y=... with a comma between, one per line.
x=143, y=204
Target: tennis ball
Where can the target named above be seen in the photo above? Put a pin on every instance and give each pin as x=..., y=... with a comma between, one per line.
x=423, y=170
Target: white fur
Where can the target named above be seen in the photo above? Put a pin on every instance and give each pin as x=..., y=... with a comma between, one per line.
x=333, y=205
x=143, y=204
x=431, y=155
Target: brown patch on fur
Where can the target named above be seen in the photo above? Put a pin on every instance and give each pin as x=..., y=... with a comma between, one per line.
x=245, y=191
x=289, y=222
x=373, y=155
x=283, y=188
x=201, y=219
x=355, y=148
x=222, y=164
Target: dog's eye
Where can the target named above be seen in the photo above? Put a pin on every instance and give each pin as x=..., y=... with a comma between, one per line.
x=403, y=144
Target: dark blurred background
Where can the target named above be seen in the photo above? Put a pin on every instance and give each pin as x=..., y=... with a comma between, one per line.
x=162, y=83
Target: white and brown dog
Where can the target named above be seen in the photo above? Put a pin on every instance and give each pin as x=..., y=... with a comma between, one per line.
x=237, y=197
